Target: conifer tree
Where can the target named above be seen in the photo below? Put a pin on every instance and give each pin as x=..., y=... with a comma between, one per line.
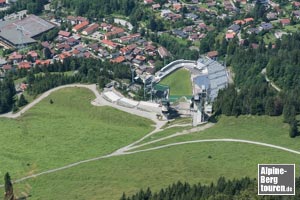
x=9, y=193
x=22, y=101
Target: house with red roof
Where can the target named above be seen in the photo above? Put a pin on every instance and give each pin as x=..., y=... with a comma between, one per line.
x=64, y=34
x=6, y=67
x=109, y=44
x=34, y=55
x=296, y=4
x=24, y=65
x=23, y=86
x=129, y=38
x=63, y=47
x=43, y=62
x=118, y=59
x=230, y=35
x=285, y=22
x=148, y=2
x=127, y=49
x=91, y=29
x=248, y=20
x=15, y=57
x=115, y=32
x=177, y=6
x=63, y=56
x=239, y=22
x=87, y=54
x=156, y=6
x=212, y=54
x=80, y=27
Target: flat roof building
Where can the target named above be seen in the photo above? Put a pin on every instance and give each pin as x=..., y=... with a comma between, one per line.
x=18, y=32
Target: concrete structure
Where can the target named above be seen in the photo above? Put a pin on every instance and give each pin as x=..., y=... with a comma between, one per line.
x=214, y=77
x=172, y=67
x=208, y=77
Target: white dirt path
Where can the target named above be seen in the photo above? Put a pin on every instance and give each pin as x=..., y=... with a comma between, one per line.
x=152, y=149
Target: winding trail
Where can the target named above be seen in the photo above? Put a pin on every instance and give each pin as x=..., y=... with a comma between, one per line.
x=119, y=153
x=44, y=95
x=264, y=72
x=216, y=140
x=99, y=101
x=184, y=132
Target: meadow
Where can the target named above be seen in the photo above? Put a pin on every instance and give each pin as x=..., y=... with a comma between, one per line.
x=107, y=179
x=265, y=129
x=71, y=129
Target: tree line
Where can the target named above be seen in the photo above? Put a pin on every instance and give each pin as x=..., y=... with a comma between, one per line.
x=32, y=7
x=251, y=93
x=43, y=78
x=96, y=8
x=7, y=94
x=244, y=188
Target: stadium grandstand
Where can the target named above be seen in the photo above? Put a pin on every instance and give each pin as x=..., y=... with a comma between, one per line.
x=213, y=78
x=18, y=32
x=210, y=75
x=171, y=67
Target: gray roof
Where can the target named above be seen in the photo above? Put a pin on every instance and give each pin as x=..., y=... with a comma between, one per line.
x=266, y=26
x=216, y=78
x=234, y=27
x=202, y=80
x=31, y=25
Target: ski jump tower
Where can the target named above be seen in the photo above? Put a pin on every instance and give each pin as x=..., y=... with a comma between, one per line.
x=197, y=107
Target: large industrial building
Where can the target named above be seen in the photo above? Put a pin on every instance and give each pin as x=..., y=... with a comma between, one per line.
x=16, y=33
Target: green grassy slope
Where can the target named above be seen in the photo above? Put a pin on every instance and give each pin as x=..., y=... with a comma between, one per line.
x=107, y=179
x=71, y=129
x=256, y=128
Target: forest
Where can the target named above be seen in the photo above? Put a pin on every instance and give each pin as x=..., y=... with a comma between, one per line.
x=244, y=188
x=251, y=93
x=87, y=71
x=7, y=94
x=97, y=8
x=43, y=78
x=32, y=6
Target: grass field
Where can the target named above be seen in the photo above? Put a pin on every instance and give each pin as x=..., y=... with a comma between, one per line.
x=69, y=130
x=165, y=133
x=256, y=128
x=108, y=179
x=179, y=83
